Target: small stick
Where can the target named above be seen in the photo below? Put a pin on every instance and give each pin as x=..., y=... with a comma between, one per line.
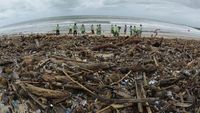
x=198, y=111
x=145, y=79
x=65, y=59
x=33, y=97
x=138, y=94
x=104, y=109
x=121, y=78
x=42, y=63
x=85, y=69
x=144, y=96
x=78, y=83
x=37, y=43
x=115, y=106
x=190, y=63
x=131, y=100
x=182, y=100
x=156, y=62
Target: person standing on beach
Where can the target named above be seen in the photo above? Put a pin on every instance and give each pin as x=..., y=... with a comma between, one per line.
x=118, y=30
x=82, y=29
x=131, y=31
x=115, y=30
x=75, y=30
x=70, y=29
x=112, y=30
x=135, y=31
x=156, y=32
x=125, y=29
x=57, y=30
x=140, y=31
x=99, y=29
x=92, y=29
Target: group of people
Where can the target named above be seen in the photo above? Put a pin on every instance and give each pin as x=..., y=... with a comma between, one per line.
x=134, y=31
x=115, y=30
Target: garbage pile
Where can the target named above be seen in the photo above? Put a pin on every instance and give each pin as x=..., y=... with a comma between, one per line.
x=98, y=74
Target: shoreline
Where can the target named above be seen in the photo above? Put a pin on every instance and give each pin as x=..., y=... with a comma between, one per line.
x=146, y=34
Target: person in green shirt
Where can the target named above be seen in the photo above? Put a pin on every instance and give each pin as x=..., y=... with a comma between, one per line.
x=92, y=29
x=118, y=30
x=83, y=29
x=115, y=30
x=99, y=29
x=75, y=28
x=135, y=31
x=131, y=31
x=112, y=29
x=57, y=30
x=70, y=29
x=125, y=29
x=140, y=31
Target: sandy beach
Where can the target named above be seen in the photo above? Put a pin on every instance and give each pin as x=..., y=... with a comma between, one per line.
x=100, y=56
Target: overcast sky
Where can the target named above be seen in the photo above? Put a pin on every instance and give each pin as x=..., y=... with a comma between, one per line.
x=176, y=11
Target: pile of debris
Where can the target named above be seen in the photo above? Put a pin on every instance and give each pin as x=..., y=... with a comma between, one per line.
x=88, y=74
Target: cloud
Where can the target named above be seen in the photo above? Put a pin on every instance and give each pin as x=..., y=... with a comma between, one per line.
x=188, y=3
x=176, y=11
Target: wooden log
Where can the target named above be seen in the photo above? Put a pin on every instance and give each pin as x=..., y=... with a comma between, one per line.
x=105, y=46
x=148, y=68
x=130, y=40
x=138, y=94
x=55, y=78
x=47, y=93
x=5, y=63
x=144, y=96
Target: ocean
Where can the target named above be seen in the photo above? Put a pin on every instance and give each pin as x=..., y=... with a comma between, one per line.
x=48, y=25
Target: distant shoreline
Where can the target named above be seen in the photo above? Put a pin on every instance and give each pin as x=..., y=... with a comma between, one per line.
x=144, y=35
x=74, y=17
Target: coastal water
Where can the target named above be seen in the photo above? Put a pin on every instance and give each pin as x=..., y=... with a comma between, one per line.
x=47, y=25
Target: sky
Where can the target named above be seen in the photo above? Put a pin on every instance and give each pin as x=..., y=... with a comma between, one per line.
x=185, y=12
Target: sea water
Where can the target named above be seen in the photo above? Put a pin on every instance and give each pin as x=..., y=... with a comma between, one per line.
x=48, y=25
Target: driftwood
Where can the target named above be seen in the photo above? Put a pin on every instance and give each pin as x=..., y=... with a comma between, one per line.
x=33, y=97
x=130, y=40
x=143, y=93
x=103, y=47
x=149, y=68
x=78, y=83
x=82, y=74
x=5, y=63
x=115, y=106
x=91, y=66
x=121, y=78
x=47, y=93
x=83, y=65
x=96, y=66
x=138, y=94
x=128, y=100
x=55, y=78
